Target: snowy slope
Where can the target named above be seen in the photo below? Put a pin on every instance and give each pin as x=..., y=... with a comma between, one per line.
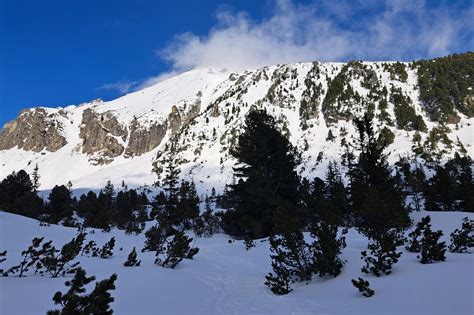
x=202, y=143
x=226, y=279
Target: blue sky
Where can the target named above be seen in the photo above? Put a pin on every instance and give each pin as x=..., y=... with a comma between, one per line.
x=55, y=53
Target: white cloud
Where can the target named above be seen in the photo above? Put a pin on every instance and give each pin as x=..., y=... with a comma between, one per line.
x=324, y=31
x=122, y=87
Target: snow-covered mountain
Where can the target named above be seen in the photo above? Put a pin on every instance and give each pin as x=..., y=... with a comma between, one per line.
x=195, y=117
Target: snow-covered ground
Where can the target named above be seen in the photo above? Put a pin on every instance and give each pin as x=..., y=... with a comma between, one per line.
x=226, y=279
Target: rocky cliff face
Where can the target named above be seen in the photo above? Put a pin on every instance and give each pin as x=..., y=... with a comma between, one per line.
x=144, y=139
x=196, y=117
x=34, y=130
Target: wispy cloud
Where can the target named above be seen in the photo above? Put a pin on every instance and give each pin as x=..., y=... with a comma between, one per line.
x=327, y=31
x=324, y=30
x=122, y=87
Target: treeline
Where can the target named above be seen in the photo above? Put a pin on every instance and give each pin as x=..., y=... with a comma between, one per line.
x=266, y=182
x=445, y=85
x=178, y=205
x=269, y=199
x=125, y=209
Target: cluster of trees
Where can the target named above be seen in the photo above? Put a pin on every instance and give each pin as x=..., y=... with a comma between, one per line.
x=125, y=209
x=44, y=259
x=266, y=181
x=445, y=85
x=449, y=189
x=269, y=199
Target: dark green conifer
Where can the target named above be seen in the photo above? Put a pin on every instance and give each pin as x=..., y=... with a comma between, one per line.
x=175, y=250
x=327, y=248
x=363, y=287
x=132, y=259
x=463, y=239
x=59, y=263
x=383, y=253
x=75, y=301
x=107, y=250
x=432, y=250
x=414, y=237
x=155, y=238
x=265, y=177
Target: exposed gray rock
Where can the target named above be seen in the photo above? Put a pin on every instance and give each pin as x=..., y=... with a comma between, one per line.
x=143, y=140
x=99, y=133
x=174, y=119
x=33, y=130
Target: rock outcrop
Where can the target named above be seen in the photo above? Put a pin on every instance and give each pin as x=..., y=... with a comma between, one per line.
x=144, y=139
x=33, y=130
x=102, y=135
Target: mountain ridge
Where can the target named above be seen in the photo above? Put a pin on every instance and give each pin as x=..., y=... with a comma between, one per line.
x=195, y=117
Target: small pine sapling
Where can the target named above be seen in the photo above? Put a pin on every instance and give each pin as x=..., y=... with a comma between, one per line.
x=175, y=250
x=60, y=264
x=2, y=259
x=74, y=301
x=363, y=287
x=279, y=283
x=327, y=248
x=31, y=257
x=90, y=249
x=206, y=224
x=383, y=254
x=132, y=259
x=414, y=237
x=462, y=240
x=292, y=261
x=155, y=239
x=432, y=250
x=107, y=249
x=249, y=243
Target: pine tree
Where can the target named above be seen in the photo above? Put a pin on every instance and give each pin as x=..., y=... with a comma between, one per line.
x=17, y=195
x=107, y=249
x=376, y=196
x=207, y=224
x=335, y=196
x=106, y=199
x=383, y=253
x=170, y=183
x=59, y=263
x=35, y=178
x=279, y=283
x=60, y=204
x=74, y=301
x=90, y=249
x=431, y=249
x=31, y=257
x=187, y=207
x=264, y=177
x=132, y=259
x=363, y=287
x=155, y=238
x=327, y=248
x=414, y=237
x=463, y=239
x=175, y=250
x=442, y=191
